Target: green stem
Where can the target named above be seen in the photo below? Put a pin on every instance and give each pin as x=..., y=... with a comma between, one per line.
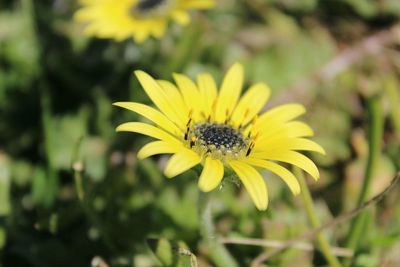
x=48, y=133
x=218, y=253
x=314, y=220
x=375, y=130
x=85, y=200
x=392, y=91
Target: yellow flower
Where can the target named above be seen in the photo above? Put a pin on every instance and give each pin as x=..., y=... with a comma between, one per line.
x=122, y=19
x=200, y=125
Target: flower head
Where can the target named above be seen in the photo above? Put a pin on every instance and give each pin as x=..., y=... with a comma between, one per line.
x=200, y=124
x=139, y=19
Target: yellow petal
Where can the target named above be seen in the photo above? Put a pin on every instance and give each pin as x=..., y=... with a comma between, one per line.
x=140, y=36
x=280, y=114
x=175, y=97
x=147, y=129
x=251, y=103
x=190, y=93
x=268, y=135
x=158, y=96
x=298, y=129
x=159, y=28
x=181, y=17
x=158, y=147
x=211, y=175
x=282, y=172
x=230, y=92
x=290, y=157
x=151, y=114
x=302, y=144
x=208, y=92
x=253, y=182
x=284, y=143
x=200, y=4
x=181, y=162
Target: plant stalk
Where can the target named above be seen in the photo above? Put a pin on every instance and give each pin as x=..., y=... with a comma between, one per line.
x=218, y=253
x=375, y=130
x=322, y=242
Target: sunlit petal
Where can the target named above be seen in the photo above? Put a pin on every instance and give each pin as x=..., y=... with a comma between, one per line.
x=253, y=182
x=211, y=175
x=181, y=162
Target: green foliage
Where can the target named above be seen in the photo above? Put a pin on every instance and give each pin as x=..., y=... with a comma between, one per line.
x=73, y=193
x=172, y=254
x=19, y=49
x=4, y=186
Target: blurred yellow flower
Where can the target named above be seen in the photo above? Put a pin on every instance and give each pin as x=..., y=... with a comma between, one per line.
x=139, y=19
x=199, y=124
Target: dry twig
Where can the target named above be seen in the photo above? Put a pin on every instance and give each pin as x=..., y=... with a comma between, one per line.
x=343, y=252
x=341, y=218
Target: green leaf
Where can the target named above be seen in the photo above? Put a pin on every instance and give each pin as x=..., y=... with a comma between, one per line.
x=5, y=206
x=172, y=254
x=94, y=157
x=3, y=238
x=290, y=59
x=67, y=131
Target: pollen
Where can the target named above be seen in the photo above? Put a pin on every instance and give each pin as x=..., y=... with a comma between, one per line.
x=218, y=140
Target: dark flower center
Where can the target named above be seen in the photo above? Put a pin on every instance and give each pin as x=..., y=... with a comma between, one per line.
x=148, y=5
x=145, y=9
x=217, y=139
x=219, y=135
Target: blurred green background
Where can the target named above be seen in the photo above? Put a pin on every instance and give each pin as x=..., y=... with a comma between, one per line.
x=72, y=192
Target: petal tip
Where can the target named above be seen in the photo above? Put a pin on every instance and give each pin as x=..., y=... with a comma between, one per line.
x=237, y=65
x=315, y=176
x=141, y=74
x=118, y=104
x=140, y=156
x=169, y=174
x=262, y=207
x=237, y=68
x=204, y=188
x=296, y=192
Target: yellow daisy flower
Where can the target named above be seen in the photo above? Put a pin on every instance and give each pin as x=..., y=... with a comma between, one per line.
x=139, y=19
x=199, y=124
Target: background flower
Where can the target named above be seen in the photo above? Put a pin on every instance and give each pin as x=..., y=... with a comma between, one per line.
x=139, y=19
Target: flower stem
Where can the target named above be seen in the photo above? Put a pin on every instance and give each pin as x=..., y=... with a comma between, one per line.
x=315, y=223
x=218, y=253
x=374, y=138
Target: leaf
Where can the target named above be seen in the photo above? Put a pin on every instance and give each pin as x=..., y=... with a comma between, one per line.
x=3, y=238
x=94, y=156
x=290, y=59
x=39, y=188
x=5, y=206
x=172, y=254
x=64, y=136
x=181, y=208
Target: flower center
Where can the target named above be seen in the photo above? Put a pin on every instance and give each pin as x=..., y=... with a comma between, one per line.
x=146, y=5
x=150, y=8
x=218, y=140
